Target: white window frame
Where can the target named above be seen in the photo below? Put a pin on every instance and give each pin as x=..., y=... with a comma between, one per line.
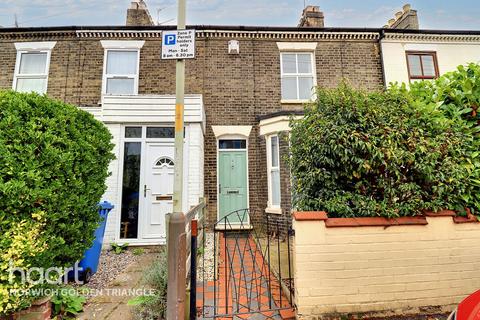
x=121, y=45
x=296, y=75
x=271, y=208
x=33, y=47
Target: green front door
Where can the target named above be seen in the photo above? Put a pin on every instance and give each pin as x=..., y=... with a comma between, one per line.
x=232, y=170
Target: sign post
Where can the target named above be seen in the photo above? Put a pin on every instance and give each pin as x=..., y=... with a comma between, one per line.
x=178, y=44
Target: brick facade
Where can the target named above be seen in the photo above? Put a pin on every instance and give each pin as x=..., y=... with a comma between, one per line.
x=236, y=89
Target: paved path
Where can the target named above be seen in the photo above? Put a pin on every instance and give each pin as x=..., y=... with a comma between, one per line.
x=245, y=288
x=112, y=304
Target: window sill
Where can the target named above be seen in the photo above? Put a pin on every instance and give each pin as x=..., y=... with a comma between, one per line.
x=283, y=101
x=274, y=210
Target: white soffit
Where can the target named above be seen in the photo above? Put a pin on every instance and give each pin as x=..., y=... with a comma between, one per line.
x=46, y=45
x=297, y=46
x=220, y=131
x=122, y=44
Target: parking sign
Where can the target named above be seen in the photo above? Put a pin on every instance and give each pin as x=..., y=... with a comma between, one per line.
x=178, y=44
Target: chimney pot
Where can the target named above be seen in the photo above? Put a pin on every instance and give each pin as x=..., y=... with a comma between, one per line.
x=406, y=19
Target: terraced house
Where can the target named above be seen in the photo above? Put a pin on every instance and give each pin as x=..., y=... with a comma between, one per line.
x=242, y=87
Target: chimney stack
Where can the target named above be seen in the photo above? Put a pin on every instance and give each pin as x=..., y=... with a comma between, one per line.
x=138, y=15
x=312, y=17
x=405, y=19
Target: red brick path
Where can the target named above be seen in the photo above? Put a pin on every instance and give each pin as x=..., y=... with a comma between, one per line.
x=245, y=288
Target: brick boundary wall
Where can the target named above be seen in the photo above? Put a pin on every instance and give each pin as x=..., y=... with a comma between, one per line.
x=383, y=267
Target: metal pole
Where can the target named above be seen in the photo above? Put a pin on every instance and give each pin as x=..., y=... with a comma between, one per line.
x=176, y=241
x=193, y=271
x=179, y=108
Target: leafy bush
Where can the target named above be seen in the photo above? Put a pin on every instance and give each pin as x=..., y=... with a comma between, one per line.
x=376, y=154
x=67, y=303
x=119, y=248
x=457, y=95
x=53, y=165
x=153, y=307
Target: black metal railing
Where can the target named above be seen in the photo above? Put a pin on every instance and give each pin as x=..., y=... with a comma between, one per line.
x=252, y=270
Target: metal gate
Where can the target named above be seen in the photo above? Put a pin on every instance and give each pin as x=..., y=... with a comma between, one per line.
x=252, y=271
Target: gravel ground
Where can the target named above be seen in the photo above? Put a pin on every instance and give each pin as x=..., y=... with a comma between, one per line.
x=109, y=267
x=208, y=256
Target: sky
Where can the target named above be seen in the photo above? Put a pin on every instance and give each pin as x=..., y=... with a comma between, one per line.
x=440, y=14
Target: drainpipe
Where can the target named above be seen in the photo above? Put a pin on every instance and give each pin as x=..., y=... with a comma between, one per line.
x=382, y=64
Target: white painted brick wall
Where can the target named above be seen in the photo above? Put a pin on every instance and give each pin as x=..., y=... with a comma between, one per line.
x=112, y=193
x=194, y=178
x=195, y=164
x=375, y=269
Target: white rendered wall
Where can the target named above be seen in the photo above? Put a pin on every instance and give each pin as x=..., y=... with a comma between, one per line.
x=449, y=56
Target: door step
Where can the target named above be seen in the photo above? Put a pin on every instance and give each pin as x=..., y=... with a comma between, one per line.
x=220, y=227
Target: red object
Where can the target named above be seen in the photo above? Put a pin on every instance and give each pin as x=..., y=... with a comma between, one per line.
x=469, y=309
x=194, y=228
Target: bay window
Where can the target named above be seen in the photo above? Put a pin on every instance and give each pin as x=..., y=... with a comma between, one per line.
x=273, y=165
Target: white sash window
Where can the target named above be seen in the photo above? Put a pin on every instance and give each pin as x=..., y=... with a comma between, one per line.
x=121, y=67
x=273, y=159
x=32, y=65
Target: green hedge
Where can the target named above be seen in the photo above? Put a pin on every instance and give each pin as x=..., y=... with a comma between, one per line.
x=54, y=162
x=377, y=154
x=457, y=95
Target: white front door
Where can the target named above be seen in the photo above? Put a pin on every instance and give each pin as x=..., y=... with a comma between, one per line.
x=158, y=189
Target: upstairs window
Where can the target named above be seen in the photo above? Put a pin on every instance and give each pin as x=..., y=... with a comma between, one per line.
x=298, y=78
x=121, y=72
x=121, y=66
x=31, y=70
x=422, y=65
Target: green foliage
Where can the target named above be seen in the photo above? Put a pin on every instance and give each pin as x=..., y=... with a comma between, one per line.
x=53, y=165
x=200, y=251
x=67, y=303
x=137, y=251
x=153, y=307
x=457, y=96
x=376, y=154
x=119, y=248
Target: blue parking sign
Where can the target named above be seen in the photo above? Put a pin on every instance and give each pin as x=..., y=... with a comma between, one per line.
x=170, y=39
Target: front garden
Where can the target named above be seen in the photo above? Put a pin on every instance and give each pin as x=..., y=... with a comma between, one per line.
x=393, y=181
x=393, y=153
x=53, y=164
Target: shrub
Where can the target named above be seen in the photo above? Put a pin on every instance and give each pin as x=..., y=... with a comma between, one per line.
x=376, y=154
x=67, y=303
x=153, y=307
x=457, y=95
x=53, y=165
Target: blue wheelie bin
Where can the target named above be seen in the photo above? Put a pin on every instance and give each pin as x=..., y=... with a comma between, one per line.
x=89, y=264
